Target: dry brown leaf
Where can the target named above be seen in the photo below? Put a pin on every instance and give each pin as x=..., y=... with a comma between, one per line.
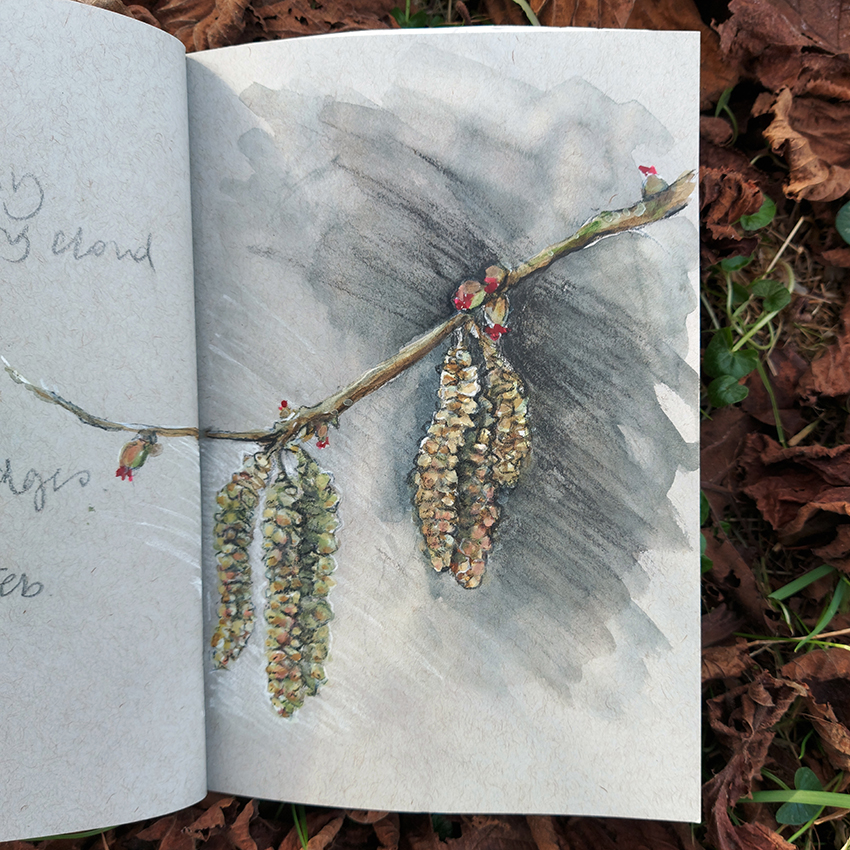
x=718, y=131
x=811, y=134
x=388, y=831
x=824, y=22
x=839, y=257
x=829, y=375
x=721, y=443
x=755, y=25
x=179, y=17
x=800, y=491
x=563, y=13
x=212, y=820
x=826, y=676
x=785, y=367
x=486, y=832
x=616, y=833
x=725, y=662
x=317, y=820
x=724, y=196
x=837, y=550
x=718, y=625
x=361, y=816
x=308, y=17
x=735, y=581
x=418, y=833
x=325, y=835
x=239, y=833
x=742, y=720
x=717, y=72
x=110, y=5
x=168, y=831
x=544, y=833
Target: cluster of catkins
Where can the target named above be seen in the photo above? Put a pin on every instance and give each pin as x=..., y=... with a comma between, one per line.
x=476, y=443
x=298, y=523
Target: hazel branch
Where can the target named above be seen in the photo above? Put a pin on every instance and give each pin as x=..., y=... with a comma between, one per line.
x=86, y=417
x=303, y=422
x=653, y=208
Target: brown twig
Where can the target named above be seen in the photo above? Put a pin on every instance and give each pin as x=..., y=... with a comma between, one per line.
x=302, y=423
x=87, y=418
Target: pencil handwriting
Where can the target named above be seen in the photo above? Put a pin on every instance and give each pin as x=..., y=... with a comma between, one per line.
x=39, y=485
x=11, y=582
x=22, y=201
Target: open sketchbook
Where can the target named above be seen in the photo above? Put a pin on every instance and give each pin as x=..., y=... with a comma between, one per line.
x=429, y=299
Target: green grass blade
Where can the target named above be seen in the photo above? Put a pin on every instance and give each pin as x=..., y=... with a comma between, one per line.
x=813, y=798
x=829, y=612
x=803, y=581
x=529, y=12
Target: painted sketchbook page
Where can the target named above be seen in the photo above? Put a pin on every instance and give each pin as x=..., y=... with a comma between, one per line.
x=100, y=609
x=479, y=591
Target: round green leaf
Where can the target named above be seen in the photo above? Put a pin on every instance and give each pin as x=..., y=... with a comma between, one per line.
x=774, y=295
x=740, y=294
x=726, y=390
x=733, y=264
x=760, y=219
x=842, y=222
x=795, y=814
x=720, y=360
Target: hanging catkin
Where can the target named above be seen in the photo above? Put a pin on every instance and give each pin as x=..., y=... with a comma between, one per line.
x=478, y=512
x=318, y=506
x=511, y=435
x=233, y=532
x=435, y=476
x=299, y=536
x=281, y=539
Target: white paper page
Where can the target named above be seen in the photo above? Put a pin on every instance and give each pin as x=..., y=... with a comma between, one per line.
x=343, y=188
x=100, y=620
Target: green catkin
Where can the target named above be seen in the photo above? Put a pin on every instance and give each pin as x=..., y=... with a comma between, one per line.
x=281, y=538
x=299, y=537
x=232, y=535
x=435, y=476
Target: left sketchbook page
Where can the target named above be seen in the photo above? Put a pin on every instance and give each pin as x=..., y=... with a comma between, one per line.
x=101, y=679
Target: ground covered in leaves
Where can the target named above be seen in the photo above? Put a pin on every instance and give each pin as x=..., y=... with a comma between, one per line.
x=775, y=94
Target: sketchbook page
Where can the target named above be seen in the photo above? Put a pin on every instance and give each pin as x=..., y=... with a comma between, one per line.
x=100, y=610
x=344, y=189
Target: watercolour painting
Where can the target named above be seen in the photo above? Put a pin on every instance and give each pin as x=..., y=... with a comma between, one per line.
x=384, y=606
x=420, y=311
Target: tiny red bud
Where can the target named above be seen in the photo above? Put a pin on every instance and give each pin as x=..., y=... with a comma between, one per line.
x=283, y=405
x=647, y=169
x=491, y=284
x=321, y=444
x=495, y=331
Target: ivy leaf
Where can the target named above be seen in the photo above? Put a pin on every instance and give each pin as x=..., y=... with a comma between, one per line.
x=795, y=814
x=720, y=360
x=726, y=390
x=774, y=295
x=760, y=219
